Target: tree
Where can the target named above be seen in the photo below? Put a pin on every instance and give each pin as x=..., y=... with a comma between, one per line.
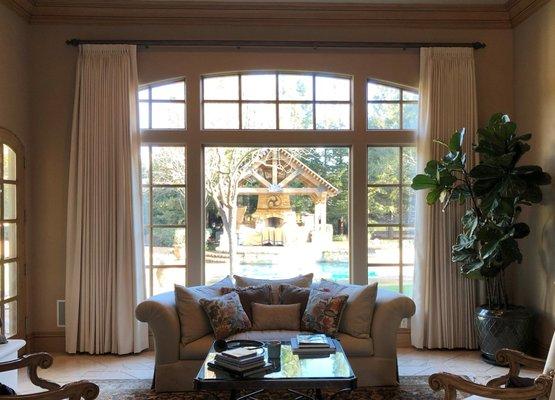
x=225, y=168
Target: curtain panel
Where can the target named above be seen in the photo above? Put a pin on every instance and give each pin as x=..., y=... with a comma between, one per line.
x=104, y=259
x=445, y=300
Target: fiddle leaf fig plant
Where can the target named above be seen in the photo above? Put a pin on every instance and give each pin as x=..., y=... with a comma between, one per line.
x=494, y=191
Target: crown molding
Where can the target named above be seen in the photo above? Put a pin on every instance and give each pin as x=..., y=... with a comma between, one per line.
x=24, y=8
x=520, y=10
x=263, y=13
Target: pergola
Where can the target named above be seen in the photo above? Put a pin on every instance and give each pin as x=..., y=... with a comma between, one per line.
x=278, y=173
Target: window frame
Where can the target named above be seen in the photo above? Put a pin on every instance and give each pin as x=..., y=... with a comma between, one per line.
x=401, y=102
x=150, y=101
x=401, y=186
x=150, y=266
x=240, y=101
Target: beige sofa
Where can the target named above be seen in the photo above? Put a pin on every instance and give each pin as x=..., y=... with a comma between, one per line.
x=373, y=360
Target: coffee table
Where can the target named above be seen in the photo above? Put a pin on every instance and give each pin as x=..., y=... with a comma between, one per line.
x=291, y=373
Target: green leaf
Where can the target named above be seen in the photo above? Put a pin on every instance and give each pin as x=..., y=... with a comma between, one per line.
x=533, y=194
x=433, y=196
x=489, y=248
x=521, y=230
x=483, y=171
x=431, y=168
x=456, y=141
x=420, y=182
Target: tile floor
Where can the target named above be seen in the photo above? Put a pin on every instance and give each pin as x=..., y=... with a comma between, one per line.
x=67, y=368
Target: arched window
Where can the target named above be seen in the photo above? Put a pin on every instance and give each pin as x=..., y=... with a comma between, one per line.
x=391, y=107
x=277, y=100
x=162, y=105
x=11, y=232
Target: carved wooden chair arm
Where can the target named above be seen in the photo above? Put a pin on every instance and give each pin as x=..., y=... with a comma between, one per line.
x=32, y=362
x=453, y=383
x=514, y=360
x=72, y=391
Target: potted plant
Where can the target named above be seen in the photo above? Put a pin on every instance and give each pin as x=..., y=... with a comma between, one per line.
x=494, y=192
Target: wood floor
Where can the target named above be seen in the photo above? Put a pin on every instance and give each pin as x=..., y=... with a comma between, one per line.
x=412, y=362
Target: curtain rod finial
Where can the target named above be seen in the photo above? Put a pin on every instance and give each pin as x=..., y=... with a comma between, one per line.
x=478, y=45
x=72, y=42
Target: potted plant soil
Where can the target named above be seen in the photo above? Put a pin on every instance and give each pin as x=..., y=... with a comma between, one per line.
x=494, y=192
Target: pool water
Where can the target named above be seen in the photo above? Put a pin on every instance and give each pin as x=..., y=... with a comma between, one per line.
x=338, y=271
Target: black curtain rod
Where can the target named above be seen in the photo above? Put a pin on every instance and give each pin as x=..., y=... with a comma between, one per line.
x=278, y=43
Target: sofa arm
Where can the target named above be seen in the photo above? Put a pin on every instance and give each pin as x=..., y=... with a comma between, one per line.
x=391, y=308
x=160, y=314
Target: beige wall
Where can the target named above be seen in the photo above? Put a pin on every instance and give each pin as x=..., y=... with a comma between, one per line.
x=533, y=282
x=53, y=71
x=14, y=78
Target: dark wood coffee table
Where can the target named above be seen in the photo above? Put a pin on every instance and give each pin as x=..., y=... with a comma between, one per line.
x=305, y=377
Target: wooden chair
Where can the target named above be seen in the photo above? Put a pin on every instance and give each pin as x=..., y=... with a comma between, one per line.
x=494, y=389
x=72, y=391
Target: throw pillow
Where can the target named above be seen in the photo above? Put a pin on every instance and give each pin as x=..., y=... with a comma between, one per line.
x=289, y=294
x=276, y=317
x=226, y=315
x=300, y=281
x=357, y=316
x=323, y=312
x=252, y=294
x=193, y=321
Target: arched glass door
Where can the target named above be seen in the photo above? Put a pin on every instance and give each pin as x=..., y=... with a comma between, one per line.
x=11, y=234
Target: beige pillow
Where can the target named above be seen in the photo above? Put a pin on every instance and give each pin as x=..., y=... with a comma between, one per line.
x=270, y=317
x=300, y=281
x=357, y=315
x=192, y=318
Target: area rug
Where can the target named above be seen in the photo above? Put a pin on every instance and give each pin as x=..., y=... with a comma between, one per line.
x=412, y=387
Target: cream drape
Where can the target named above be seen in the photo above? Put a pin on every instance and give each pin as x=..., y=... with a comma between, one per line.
x=445, y=300
x=104, y=260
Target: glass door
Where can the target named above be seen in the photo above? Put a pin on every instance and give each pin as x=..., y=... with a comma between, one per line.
x=11, y=235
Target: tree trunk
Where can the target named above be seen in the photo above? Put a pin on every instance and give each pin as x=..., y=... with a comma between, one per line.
x=229, y=220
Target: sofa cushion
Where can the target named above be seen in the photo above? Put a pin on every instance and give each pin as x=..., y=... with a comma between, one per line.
x=289, y=294
x=357, y=316
x=226, y=315
x=300, y=281
x=276, y=316
x=193, y=320
x=198, y=349
x=251, y=294
x=323, y=312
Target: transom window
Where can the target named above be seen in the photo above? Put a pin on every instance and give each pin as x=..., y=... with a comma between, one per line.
x=162, y=106
x=164, y=216
x=269, y=101
x=391, y=217
x=391, y=107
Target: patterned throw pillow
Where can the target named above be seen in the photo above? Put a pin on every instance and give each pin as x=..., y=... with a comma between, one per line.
x=249, y=295
x=323, y=312
x=226, y=315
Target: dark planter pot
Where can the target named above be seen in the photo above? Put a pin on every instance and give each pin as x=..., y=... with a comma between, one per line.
x=498, y=329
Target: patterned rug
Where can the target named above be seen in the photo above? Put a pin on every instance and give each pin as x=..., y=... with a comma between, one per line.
x=412, y=387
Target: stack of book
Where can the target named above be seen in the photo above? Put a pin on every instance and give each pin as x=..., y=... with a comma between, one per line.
x=241, y=361
x=312, y=345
